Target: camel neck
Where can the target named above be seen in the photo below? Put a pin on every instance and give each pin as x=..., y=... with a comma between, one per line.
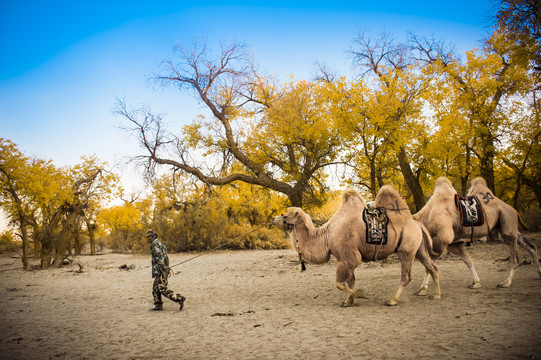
x=311, y=243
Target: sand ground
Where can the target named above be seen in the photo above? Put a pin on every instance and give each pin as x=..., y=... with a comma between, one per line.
x=257, y=305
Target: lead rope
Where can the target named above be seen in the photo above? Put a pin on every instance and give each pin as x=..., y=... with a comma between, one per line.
x=302, y=267
x=218, y=247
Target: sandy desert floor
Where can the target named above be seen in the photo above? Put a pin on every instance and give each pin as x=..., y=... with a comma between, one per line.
x=257, y=305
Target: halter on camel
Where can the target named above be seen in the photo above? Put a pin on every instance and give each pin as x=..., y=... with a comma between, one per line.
x=292, y=228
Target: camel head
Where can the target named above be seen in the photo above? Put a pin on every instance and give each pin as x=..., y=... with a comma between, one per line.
x=288, y=219
x=293, y=216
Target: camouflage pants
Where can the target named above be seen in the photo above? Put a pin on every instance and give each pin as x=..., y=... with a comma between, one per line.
x=159, y=288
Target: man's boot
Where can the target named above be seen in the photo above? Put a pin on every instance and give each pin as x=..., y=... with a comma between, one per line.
x=157, y=307
x=180, y=301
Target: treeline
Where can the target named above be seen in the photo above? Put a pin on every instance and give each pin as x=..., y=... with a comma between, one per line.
x=189, y=217
x=57, y=212
x=49, y=206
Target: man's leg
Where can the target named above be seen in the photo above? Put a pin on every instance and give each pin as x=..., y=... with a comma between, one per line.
x=158, y=303
x=168, y=293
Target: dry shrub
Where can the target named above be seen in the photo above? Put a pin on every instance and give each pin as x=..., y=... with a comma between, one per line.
x=241, y=237
x=122, y=241
x=8, y=243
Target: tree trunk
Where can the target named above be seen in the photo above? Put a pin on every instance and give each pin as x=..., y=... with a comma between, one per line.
x=24, y=234
x=381, y=182
x=92, y=236
x=77, y=242
x=487, y=159
x=68, y=228
x=45, y=253
x=411, y=181
x=373, y=178
x=296, y=199
x=70, y=238
x=466, y=176
x=37, y=248
x=517, y=191
x=464, y=185
x=535, y=186
x=22, y=222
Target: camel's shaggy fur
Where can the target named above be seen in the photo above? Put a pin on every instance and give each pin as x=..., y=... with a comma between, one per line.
x=344, y=236
x=443, y=222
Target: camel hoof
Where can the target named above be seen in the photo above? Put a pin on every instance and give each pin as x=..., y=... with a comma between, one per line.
x=504, y=285
x=349, y=301
x=421, y=292
x=360, y=294
x=474, y=286
x=435, y=297
x=391, y=303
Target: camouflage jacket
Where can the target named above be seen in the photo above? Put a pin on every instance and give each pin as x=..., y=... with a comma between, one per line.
x=160, y=260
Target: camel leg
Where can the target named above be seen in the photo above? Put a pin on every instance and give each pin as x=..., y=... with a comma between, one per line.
x=437, y=288
x=406, y=263
x=513, y=255
x=440, y=243
x=529, y=245
x=345, y=275
x=423, y=290
x=359, y=292
x=432, y=270
x=459, y=250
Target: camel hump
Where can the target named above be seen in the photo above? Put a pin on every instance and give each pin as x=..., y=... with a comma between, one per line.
x=350, y=194
x=442, y=180
x=479, y=182
x=479, y=186
x=444, y=187
x=388, y=193
x=388, y=189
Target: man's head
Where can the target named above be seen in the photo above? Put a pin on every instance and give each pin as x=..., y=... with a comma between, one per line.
x=151, y=235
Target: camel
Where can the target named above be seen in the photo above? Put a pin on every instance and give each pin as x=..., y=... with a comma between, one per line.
x=445, y=225
x=344, y=236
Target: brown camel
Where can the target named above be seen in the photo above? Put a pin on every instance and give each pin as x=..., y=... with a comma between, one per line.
x=443, y=220
x=345, y=237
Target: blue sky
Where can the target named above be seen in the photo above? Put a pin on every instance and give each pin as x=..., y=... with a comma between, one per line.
x=63, y=63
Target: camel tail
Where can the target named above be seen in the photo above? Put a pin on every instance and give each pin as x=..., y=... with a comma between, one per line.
x=427, y=241
x=521, y=221
x=526, y=243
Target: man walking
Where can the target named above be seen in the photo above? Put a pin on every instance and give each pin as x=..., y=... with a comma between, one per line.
x=160, y=273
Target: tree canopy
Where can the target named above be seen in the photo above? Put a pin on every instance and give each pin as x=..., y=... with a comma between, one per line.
x=417, y=111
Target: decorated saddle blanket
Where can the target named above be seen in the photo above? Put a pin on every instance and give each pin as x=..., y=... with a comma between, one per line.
x=471, y=213
x=376, y=221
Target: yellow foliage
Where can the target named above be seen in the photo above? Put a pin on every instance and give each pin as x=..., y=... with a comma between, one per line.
x=120, y=218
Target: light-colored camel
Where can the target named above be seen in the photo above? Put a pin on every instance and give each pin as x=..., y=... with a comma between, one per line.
x=344, y=236
x=444, y=223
